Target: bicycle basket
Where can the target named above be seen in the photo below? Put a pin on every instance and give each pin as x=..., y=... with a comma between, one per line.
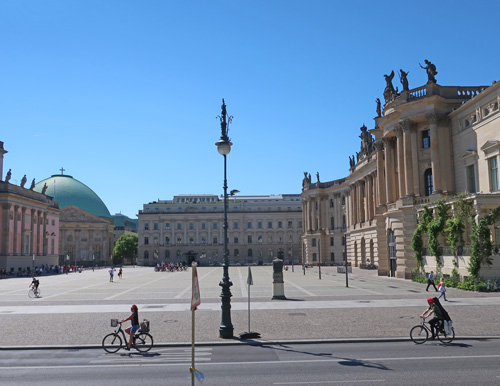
x=145, y=325
x=114, y=322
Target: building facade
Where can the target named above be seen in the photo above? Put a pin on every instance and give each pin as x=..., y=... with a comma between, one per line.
x=29, y=225
x=429, y=143
x=190, y=227
x=86, y=226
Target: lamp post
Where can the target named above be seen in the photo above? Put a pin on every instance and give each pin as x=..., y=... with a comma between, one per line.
x=224, y=147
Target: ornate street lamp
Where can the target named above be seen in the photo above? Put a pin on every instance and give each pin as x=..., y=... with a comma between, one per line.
x=224, y=147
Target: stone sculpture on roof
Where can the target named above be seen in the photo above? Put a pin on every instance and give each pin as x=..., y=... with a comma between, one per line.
x=431, y=71
x=8, y=176
x=23, y=181
x=389, y=93
x=403, y=77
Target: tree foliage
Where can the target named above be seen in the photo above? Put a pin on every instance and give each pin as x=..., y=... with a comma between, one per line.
x=125, y=248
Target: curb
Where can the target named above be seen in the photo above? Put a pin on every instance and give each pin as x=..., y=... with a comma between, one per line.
x=236, y=342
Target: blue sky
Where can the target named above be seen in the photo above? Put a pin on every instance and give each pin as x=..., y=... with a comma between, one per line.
x=124, y=94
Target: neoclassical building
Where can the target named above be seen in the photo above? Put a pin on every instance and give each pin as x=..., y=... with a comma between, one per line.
x=190, y=227
x=29, y=225
x=427, y=143
x=86, y=226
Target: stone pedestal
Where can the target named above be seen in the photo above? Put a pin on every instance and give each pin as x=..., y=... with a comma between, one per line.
x=278, y=283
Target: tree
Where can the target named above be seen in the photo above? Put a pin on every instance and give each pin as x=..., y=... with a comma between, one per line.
x=125, y=248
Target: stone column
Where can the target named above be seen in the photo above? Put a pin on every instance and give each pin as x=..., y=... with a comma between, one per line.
x=369, y=197
x=435, y=157
x=400, y=162
x=381, y=194
x=16, y=231
x=5, y=230
x=407, y=126
x=22, y=230
x=390, y=185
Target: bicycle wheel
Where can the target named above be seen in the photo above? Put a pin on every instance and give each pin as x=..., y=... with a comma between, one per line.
x=112, y=343
x=143, y=342
x=419, y=334
x=446, y=338
x=31, y=293
x=38, y=293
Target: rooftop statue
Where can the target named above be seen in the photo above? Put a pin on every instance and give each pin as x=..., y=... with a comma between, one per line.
x=44, y=189
x=23, y=181
x=32, y=184
x=366, y=141
x=317, y=176
x=379, y=109
x=431, y=71
x=8, y=176
x=389, y=92
x=306, y=180
x=404, y=80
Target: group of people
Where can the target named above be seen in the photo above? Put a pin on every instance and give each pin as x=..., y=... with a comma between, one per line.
x=112, y=273
x=435, y=308
x=440, y=288
x=170, y=267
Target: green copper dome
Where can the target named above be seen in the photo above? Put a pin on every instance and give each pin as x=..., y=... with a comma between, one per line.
x=68, y=191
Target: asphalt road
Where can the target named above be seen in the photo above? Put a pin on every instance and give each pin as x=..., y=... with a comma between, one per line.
x=473, y=362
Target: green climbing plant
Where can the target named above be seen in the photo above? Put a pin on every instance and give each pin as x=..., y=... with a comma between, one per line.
x=481, y=245
x=417, y=243
x=435, y=228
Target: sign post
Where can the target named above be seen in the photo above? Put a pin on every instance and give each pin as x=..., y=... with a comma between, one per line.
x=195, y=302
x=250, y=334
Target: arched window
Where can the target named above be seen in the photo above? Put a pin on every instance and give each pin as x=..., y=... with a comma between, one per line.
x=428, y=182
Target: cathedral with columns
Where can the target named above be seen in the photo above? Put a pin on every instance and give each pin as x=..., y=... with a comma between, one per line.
x=427, y=143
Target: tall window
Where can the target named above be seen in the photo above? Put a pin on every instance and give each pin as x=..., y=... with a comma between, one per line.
x=259, y=225
x=146, y=240
x=167, y=240
x=426, y=139
x=269, y=224
x=471, y=179
x=235, y=225
x=203, y=225
x=191, y=225
x=155, y=226
x=493, y=166
x=428, y=182
x=146, y=226
x=167, y=225
x=146, y=255
x=313, y=242
x=179, y=225
x=332, y=223
x=331, y=241
x=249, y=239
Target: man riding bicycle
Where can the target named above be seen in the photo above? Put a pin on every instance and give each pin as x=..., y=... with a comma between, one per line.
x=34, y=284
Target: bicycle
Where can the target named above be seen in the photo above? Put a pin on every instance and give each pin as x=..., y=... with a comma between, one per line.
x=34, y=292
x=420, y=333
x=142, y=342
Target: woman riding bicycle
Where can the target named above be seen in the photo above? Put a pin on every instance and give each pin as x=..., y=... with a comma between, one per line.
x=435, y=309
x=134, y=317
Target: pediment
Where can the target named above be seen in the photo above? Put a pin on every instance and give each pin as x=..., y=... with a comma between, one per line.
x=72, y=213
x=490, y=145
x=468, y=154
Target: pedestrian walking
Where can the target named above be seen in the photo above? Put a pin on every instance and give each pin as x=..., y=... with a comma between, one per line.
x=111, y=274
x=430, y=281
x=120, y=273
x=442, y=289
